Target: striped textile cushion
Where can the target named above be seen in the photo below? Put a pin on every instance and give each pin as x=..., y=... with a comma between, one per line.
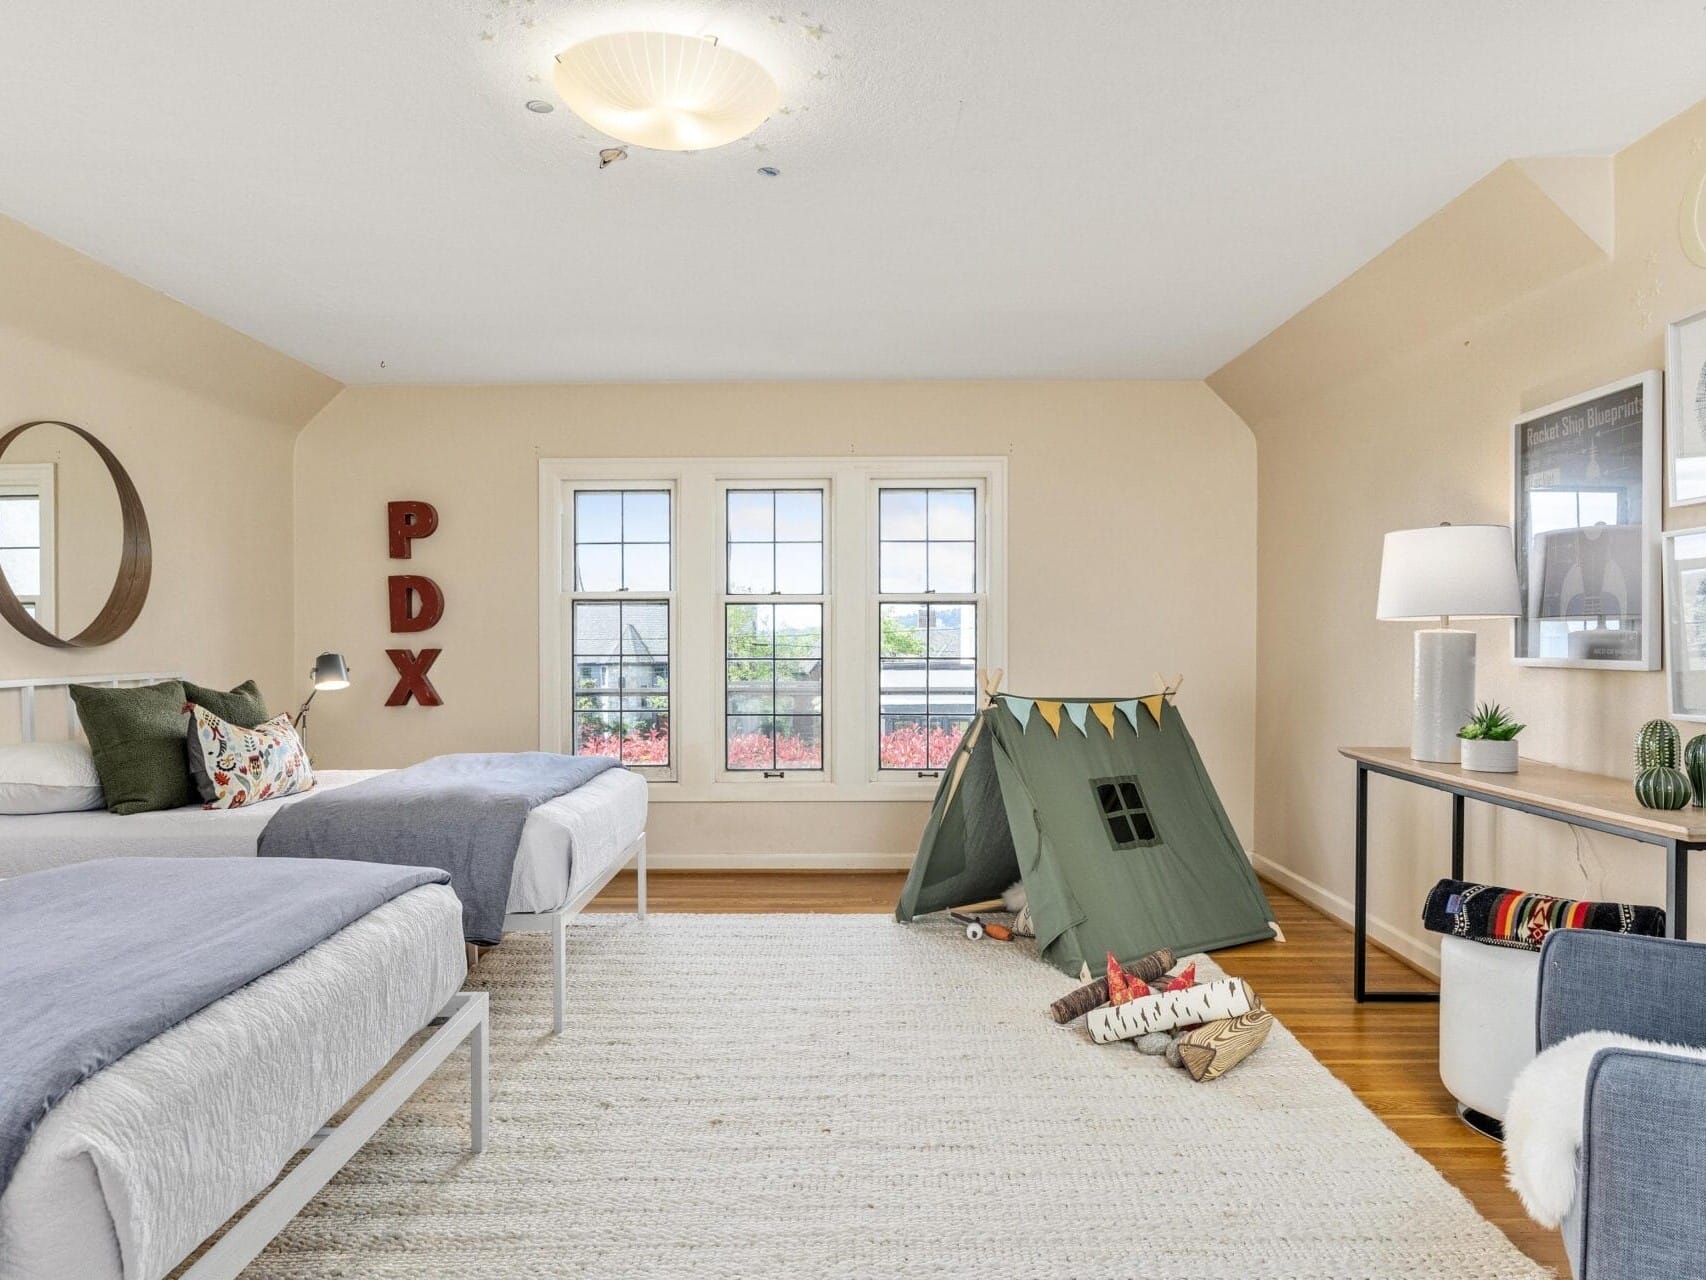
x=1511, y=918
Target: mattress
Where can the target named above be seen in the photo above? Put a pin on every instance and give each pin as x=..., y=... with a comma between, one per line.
x=566, y=843
x=142, y=1161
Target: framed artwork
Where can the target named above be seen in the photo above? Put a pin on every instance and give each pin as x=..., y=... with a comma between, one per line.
x=1586, y=514
x=1685, y=621
x=1685, y=409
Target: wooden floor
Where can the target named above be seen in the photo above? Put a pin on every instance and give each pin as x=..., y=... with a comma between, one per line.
x=1387, y=1054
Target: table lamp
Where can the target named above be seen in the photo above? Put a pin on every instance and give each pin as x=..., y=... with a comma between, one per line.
x=330, y=672
x=1449, y=571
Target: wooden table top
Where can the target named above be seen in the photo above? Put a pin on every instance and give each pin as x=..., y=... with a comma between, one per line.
x=1570, y=793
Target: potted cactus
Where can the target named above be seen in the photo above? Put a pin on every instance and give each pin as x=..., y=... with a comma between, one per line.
x=1488, y=741
x=1660, y=781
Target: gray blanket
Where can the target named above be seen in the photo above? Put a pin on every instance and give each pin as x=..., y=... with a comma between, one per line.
x=463, y=813
x=100, y=957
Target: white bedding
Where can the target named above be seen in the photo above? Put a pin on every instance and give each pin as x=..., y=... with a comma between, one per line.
x=140, y=1163
x=566, y=842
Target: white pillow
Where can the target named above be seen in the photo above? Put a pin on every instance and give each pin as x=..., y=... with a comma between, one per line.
x=48, y=777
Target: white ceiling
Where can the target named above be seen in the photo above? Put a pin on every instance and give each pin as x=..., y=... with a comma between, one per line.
x=970, y=188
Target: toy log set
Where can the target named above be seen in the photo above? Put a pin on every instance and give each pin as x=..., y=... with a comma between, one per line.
x=1213, y=1049
x=1167, y=1010
x=1095, y=994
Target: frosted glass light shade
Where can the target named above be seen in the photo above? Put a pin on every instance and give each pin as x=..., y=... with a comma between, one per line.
x=1451, y=570
x=666, y=92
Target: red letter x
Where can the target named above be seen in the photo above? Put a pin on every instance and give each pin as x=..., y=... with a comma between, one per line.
x=412, y=679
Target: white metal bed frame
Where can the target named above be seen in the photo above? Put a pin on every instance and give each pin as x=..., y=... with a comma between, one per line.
x=466, y=1017
x=552, y=922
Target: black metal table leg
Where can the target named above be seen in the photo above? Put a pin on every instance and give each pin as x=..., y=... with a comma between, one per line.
x=1456, y=836
x=1676, y=889
x=1359, y=960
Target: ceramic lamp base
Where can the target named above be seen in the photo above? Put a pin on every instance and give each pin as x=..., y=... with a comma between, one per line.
x=1445, y=693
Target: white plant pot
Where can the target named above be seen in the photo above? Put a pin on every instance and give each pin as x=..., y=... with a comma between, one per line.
x=1485, y=756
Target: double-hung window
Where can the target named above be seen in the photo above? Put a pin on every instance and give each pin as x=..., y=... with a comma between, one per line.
x=795, y=629
x=928, y=597
x=621, y=601
x=26, y=536
x=773, y=630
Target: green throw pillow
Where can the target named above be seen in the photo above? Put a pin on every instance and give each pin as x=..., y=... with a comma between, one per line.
x=137, y=739
x=241, y=706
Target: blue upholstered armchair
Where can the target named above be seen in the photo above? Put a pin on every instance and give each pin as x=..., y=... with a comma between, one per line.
x=1640, y=1211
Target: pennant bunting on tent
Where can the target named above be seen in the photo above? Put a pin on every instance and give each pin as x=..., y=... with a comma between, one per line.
x=1104, y=711
x=1050, y=711
x=1078, y=712
x=1128, y=709
x=1020, y=707
x=1153, y=704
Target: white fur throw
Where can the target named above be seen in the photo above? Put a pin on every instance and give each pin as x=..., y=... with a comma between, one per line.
x=1543, y=1120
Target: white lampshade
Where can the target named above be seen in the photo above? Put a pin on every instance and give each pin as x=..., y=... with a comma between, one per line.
x=667, y=92
x=1450, y=570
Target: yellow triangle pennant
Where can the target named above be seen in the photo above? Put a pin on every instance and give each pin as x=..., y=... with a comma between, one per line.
x=1050, y=711
x=1104, y=711
x=1153, y=704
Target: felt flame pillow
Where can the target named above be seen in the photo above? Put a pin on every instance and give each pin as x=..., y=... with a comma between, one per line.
x=233, y=766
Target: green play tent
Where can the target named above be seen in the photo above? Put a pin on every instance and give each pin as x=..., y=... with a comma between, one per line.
x=1103, y=808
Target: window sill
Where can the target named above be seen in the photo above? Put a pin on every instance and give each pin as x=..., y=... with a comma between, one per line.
x=783, y=791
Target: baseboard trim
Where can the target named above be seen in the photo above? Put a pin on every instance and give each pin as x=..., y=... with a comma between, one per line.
x=1343, y=910
x=789, y=861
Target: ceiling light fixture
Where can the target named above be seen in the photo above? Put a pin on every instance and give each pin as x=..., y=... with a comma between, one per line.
x=540, y=107
x=667, y=92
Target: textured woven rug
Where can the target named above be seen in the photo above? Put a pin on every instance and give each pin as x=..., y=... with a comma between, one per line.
x=846, y=1096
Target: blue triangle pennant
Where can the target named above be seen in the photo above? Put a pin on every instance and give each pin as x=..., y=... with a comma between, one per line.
x=1078, y=712
x=1129, y=710
x=1022, y=708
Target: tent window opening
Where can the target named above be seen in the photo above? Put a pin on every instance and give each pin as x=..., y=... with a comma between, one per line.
x=1120, y=802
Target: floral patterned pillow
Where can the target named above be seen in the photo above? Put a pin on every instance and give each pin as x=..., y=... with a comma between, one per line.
x=233, y=766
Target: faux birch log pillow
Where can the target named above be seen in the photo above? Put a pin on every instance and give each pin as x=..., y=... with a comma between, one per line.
x=1205, y=1002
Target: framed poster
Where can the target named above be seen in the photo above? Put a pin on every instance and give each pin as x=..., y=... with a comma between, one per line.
x=1586, y=515
x=1685, y=409
x=1685, y=621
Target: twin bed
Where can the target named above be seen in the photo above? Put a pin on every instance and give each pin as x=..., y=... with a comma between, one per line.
x=571, y=847
x=125, y=1168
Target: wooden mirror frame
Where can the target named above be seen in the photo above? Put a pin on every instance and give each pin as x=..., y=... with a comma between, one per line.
x=135, y=567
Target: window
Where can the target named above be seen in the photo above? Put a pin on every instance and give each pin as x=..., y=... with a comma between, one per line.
x=1120, y=802
x=927, y=654
x=20, y=548
x=621, y=601
x=778, y=629
x=26, y=535
x=773, y=654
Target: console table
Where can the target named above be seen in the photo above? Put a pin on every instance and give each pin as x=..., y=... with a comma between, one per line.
x=1594, y=801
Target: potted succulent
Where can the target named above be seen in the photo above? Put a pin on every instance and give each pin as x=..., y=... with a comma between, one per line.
x=1489, y=740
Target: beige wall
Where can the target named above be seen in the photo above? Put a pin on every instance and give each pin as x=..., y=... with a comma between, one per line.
x=1131, y=528
x=204, y=419
x=1387, y=404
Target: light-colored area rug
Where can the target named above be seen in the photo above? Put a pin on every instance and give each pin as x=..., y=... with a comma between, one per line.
x=846, y=1096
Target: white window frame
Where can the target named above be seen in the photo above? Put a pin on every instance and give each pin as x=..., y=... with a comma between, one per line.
x=826, y=598
x=568, y=598
x=35, y=480
x=980, y=600
x=698, y=566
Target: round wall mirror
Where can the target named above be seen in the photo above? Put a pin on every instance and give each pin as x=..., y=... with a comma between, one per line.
x=75, y=557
